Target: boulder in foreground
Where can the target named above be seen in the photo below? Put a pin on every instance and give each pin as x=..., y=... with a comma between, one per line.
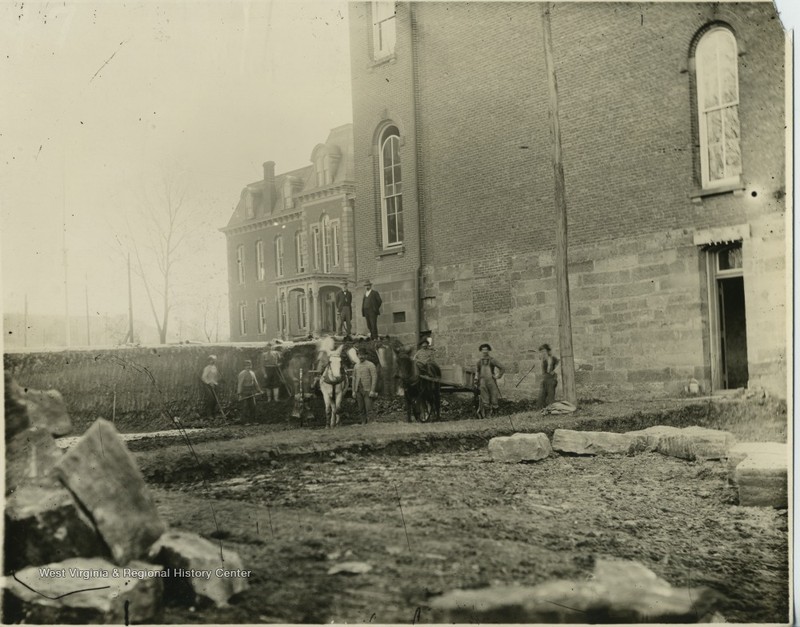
x=520, y=447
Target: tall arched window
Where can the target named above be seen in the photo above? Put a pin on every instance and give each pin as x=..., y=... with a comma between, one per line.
x=260, y=267
x=391, y=188
x=327, y=244
x=299, y=251
x=279, y=255
x=717, y=69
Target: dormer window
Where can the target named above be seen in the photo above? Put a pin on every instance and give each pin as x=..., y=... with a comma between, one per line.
x=288, y=201
x=249, y=205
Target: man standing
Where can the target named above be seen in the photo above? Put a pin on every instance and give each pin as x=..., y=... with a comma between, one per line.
x=547, y=390
x=210, y=378
x=344, y=305
x=487, y=372
x=365, y=380
x=247, y=387
x=270, y=363
x=371, y=308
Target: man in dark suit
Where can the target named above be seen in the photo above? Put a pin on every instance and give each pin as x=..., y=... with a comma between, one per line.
x=371, y=308
x=344, y=306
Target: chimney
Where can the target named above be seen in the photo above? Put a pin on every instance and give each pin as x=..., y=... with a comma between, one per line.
x=270, y=193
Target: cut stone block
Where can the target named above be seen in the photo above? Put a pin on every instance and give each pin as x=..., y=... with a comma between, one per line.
x=763, y=481
x=592, y=442
x=104, y=478
x=16, y=414
x=31, y=455
x=620, y=592
x=34, y=408
x=121, y=598
x=741, y=451
x=196, y=567
x=520, y=447
x=697, y=443
x=648, y=439
x=43, y=524
x=47, y=409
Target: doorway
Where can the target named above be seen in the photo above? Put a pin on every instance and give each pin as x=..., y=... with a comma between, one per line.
x=728, y=317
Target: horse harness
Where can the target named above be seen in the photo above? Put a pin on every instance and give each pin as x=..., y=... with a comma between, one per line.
x=334, y=381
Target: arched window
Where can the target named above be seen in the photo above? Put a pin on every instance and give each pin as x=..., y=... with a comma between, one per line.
x=299, y=251
x=240, y=262
x=391, y=188
x=717, y=70
x=260, y=268
x=279, y=255
x=327, y=244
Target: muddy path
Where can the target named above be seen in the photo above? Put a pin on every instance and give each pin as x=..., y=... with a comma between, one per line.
x=431, y=522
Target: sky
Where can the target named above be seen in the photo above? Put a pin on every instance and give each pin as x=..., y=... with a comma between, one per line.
x=109, y=100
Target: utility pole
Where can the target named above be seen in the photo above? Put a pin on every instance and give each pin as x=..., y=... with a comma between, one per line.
x=130, y=303
x=88, y=320
x=562, y=276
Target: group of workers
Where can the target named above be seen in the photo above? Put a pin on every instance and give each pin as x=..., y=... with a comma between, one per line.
x=488, y=371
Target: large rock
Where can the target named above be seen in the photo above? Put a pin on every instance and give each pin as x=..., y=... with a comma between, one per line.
x=16, y=414
x=763, y=480
x=34, y=408
x=648, y=439
x=44, y=524
x=520, y=447
x=592, y=442
x=46, y=409
x=31, y=455
x=697, y=443
x=741, y=451
x=84, y=591
x=198, y=570
x=620, y=592
x=104, y=478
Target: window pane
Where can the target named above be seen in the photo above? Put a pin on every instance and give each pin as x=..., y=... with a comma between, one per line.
x=387, y=153
x=714, y=127
x=707, y=71
x=391, y=228
x=388, y=179
x=716, y=167
x=395, y=142
x=733, y=155
x=399, y=223
x=397, y=177
x=730, y=259
x=728, y=62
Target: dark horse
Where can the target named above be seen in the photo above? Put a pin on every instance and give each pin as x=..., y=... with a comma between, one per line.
x=421, y=385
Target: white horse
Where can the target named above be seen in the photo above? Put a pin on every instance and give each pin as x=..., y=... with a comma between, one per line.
x=333, y=384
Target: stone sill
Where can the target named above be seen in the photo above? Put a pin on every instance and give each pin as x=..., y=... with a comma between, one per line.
x=391, y=58
x=400, y=251
x=737, y=189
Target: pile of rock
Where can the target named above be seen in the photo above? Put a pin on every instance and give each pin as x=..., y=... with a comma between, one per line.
x=84, y=541
x=758, y=469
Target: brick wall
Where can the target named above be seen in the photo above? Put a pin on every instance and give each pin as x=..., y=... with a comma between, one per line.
x=630, y=151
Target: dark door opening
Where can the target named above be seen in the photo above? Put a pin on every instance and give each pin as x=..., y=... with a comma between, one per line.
x=733, y=332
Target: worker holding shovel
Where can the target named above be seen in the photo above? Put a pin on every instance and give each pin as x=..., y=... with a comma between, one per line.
x=247, y=388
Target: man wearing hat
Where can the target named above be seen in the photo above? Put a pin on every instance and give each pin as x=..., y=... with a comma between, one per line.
x=487, y=372
x=344, y=306
x=547, y=390
x=247, y=388
x=365, y=382
x=210, y=379
x=270, y=364
x=371, y=308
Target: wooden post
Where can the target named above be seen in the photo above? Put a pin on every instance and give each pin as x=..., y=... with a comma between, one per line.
x=130, y=303
x=562, y=275
x=88, y=320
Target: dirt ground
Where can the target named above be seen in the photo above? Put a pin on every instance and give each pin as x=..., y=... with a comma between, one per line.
x=426, y=509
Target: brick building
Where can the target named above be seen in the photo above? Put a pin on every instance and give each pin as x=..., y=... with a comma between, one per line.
x=290, y=245
x=674, y=153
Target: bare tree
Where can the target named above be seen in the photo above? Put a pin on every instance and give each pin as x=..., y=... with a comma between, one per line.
x=161, y=235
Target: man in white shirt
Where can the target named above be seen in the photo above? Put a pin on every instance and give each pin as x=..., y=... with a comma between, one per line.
x=210, y=378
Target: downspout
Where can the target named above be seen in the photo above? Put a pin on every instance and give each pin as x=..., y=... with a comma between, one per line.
x=418, y=166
